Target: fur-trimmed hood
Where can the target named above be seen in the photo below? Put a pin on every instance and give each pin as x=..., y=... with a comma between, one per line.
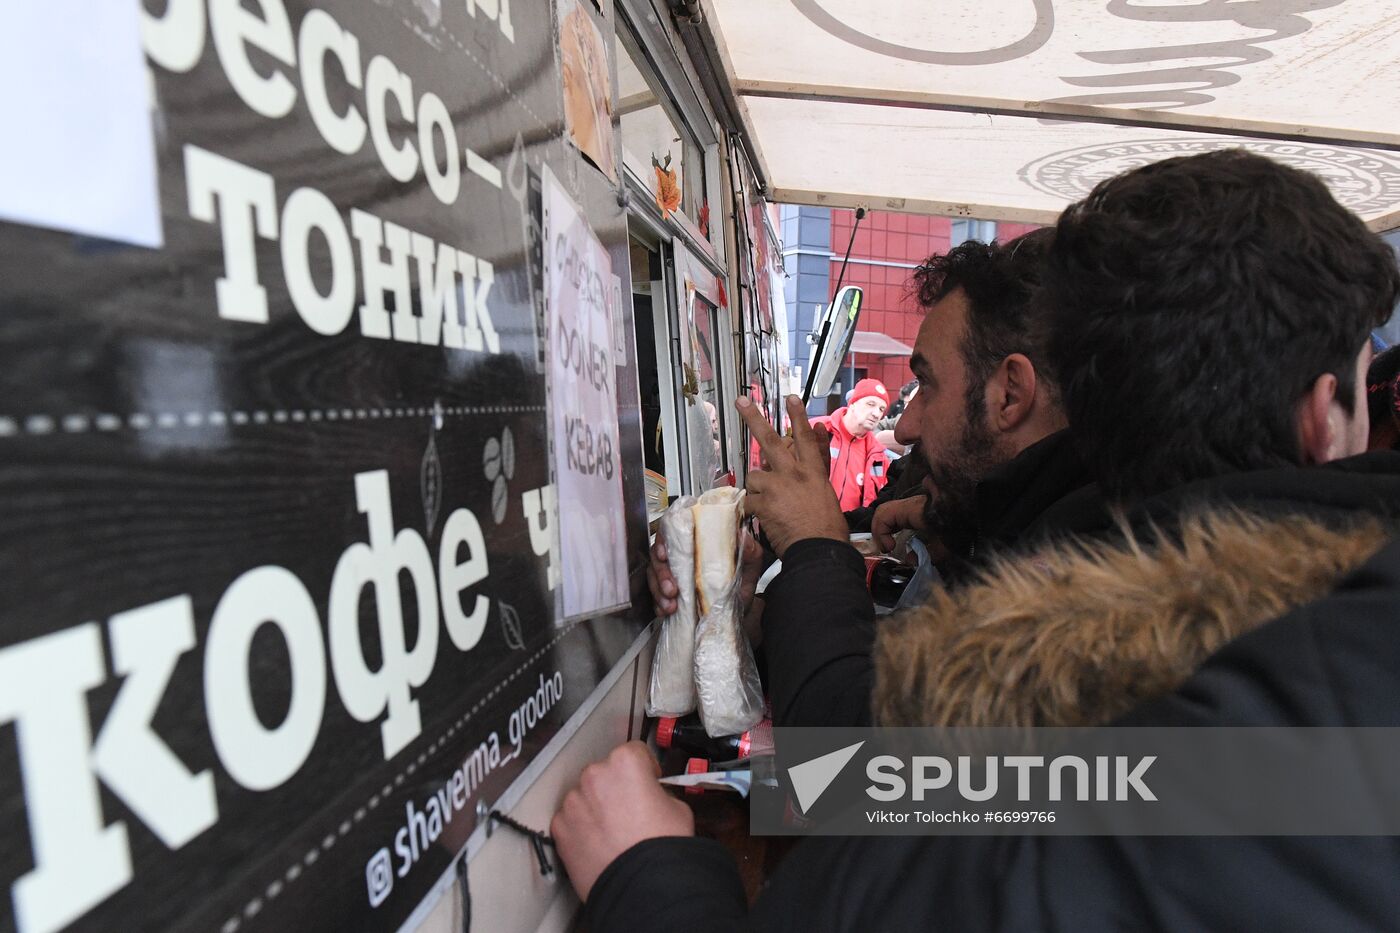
x=1079, y=634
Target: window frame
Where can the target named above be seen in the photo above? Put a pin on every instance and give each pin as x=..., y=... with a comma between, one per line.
x=638, y=22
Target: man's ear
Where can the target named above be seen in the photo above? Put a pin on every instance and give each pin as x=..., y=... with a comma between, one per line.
x=1011, y=392
x=1317, y=434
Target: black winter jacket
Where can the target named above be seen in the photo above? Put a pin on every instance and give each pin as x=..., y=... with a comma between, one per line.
x=827, y=680
x=1332, y=661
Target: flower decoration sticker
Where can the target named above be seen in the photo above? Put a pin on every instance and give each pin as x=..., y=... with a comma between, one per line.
x=668, y=190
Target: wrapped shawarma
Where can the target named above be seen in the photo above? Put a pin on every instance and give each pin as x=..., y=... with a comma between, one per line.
x=673, y=667
x=727, y=688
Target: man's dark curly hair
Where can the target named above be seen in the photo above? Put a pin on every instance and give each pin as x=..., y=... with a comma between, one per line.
x=1193, y=302
x=1000, y=281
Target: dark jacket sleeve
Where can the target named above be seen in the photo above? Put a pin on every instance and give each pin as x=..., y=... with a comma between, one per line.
x=1330, y=663
x=859, y=520
x=667, y=885
x=818, y=634
x=905, y=477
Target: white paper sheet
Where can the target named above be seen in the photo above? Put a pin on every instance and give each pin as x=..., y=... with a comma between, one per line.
x=583, y=403
x=79, y=154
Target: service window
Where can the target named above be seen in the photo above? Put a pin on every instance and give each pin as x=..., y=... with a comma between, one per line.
x=708, y=367
x=657, y=148
x=663, y=449
x=707, y=354
x=688, y=367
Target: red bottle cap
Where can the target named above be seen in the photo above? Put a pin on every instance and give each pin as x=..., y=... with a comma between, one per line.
x=745, y=743
x=696, y=766
x=665, y=728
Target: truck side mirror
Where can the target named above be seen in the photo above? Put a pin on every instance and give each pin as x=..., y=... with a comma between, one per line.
x=837, y=329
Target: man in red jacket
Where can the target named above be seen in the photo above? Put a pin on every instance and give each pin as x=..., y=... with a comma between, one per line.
x=859, y=464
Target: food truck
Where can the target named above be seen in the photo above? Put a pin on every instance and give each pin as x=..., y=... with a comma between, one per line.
x=350, y=350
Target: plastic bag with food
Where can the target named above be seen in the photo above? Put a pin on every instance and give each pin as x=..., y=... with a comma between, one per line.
x=672, y=690
x=727, y=688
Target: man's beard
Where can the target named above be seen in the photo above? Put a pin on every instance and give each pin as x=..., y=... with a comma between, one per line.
x=950, y=515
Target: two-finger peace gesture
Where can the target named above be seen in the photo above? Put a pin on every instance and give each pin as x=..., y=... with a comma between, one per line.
x=793, y=497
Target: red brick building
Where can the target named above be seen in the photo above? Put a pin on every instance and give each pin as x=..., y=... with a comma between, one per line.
x=886, y=249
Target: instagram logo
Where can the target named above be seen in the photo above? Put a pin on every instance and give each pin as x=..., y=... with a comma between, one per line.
x=379, y=877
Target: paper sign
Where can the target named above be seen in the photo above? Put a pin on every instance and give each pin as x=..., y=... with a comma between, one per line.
x=583, y=409
x=588, y=107
x=79, y=153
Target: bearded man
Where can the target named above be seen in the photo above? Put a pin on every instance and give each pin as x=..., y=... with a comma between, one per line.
x=986, y=417
x=990, y=435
